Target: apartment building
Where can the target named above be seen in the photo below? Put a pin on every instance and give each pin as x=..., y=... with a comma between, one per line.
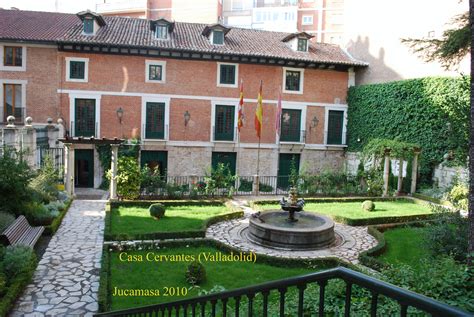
x=175, y=86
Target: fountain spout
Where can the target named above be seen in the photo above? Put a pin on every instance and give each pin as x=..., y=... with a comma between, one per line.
x=292, y=205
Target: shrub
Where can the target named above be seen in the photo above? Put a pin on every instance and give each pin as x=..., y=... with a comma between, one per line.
x=151, y=180
x=368, y=205
x=39, y=215
x=58, y=205
x=6, y=219
x=15, y=174
x=44, y=184
x=157, y=210
x=18, y=260
x=3, y=284
x=245, y=185
x=195, y=273
x=458, y=196
x=448, y=235
x=53, y=209
x=128, y=178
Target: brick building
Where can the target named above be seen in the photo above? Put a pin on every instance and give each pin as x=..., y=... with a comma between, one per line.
x=176, y=87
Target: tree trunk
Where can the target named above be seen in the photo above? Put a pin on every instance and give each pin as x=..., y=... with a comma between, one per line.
x=471, y=146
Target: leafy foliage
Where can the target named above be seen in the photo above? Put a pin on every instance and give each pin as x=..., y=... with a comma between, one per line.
x=43, y=185
x=431, y=112
x=128, y=178
x=18, y=260
x=458, y=196
x=448, y=235
x=15, y=175
x=450, y=49
x=195, y=273
x=398, y=149
x=6, y=219
x=220, y=178
x=157, y=210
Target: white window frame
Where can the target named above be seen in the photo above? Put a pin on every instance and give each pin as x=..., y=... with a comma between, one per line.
x=222, y=102
x=307, y=17
x=23, y=84
x=344, y=125
x=291, y=106
x=86, y=69
x=21, y=68
x=148, y=63
x=164, y=100
x=301, y=70
x=236, y=81
x=72, y=112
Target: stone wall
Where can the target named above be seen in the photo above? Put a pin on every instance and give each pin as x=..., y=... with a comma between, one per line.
x=444, y=176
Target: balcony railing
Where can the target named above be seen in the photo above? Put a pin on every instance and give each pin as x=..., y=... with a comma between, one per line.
x=78, y=132
x=221, y=304
x=293, y=135
x=224, y=136
x=18, y=113
x=148, y=135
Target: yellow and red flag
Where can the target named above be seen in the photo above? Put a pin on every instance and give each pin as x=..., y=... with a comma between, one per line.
x=240, y=114
x=259, y=112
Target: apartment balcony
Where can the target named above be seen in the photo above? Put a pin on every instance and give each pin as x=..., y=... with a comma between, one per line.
x=121, y=6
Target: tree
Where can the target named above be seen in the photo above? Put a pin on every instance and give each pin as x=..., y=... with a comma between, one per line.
x=471, y=145
x=448, y=50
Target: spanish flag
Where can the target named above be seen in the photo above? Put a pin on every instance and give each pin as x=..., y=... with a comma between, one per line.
x=259, y=112
x=240, y=114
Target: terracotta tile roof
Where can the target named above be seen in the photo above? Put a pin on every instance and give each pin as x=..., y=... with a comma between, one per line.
x=120, y=31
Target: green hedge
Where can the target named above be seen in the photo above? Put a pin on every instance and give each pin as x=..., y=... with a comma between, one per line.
x=416, y=111
x=234, y=213
x=103, y=298
x=54, y=226
x=361, y=222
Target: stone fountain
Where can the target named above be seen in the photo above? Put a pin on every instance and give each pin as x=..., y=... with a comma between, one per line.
x=291, y=228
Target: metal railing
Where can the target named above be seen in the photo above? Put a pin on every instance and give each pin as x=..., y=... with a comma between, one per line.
x=80, y=133
x=293, y=135
x=221, y=304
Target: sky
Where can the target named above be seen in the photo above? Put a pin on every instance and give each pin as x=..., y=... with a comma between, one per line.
x=69, y=6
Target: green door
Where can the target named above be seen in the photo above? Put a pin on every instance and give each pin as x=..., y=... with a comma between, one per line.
x=227, y=158
x=155, y=120
x=224, y=121
x=84, y=168
x=155, y=159
x=335, y=123
x=285, y=164
x=85, y=117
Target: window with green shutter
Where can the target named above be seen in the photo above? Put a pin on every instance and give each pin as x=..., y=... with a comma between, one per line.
x=155, y=72
x=227, y=74
x=302, y=45
x=224, y=123
x=290, y=125
x=77, y=69
x=155, y=120
x=88, y=26
x=292, y=80
x=335, y=126
x=84, y=124
x=218, y=37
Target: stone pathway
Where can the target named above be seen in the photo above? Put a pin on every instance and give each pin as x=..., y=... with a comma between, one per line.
x=353, y=241
x=66, y=281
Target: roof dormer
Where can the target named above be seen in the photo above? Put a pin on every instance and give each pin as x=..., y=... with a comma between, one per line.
x=91, y=22
x=298, y=41
x=162, y=28
x=216, y=33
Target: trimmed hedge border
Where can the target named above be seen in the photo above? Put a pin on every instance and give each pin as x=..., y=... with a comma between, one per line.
x=323, y=263
x=234, y=213
x=14, y=290
x=367, y=221
x=433, y=200
x=54, y=226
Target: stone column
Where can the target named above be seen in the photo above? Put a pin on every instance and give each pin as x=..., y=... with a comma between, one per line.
x=414, y=171
x=256, y=185
x=113, y=167
x=400, y=177
x=386, y=172
x=69, y=168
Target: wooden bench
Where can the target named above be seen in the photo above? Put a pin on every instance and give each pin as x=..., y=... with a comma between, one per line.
x=21, y=233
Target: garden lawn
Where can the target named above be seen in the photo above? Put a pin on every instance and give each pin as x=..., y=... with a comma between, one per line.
x=405, y=246
x=157, y=275
x=353, y=214
x=137, y=220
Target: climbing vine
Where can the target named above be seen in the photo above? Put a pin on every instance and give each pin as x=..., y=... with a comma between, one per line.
x=431, y=112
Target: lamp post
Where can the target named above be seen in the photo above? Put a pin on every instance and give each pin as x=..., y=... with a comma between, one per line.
x=187, y=117
x=120, y=114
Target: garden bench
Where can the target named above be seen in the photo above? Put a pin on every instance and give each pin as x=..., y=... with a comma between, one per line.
x=21, y=233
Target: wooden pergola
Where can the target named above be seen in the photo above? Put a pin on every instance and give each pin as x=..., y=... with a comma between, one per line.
x=69, y=144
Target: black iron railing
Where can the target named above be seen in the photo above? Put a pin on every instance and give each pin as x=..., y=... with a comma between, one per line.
x=207, y=305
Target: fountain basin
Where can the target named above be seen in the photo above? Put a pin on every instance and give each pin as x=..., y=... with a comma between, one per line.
x=311, y=231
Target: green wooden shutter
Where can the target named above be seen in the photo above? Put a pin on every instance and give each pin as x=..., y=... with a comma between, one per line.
x=155, y=120
x=290, y=125
x=292, y=81
x=227, y=74
x=77, y=70
x=85, y=117
x=335, y=124
x=224, y=123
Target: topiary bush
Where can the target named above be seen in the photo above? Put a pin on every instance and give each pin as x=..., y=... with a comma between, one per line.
x=157, y=211
x=6, y=219
x=18, y=259
x=39, y=215
x=368, y=205
x=195, y=273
